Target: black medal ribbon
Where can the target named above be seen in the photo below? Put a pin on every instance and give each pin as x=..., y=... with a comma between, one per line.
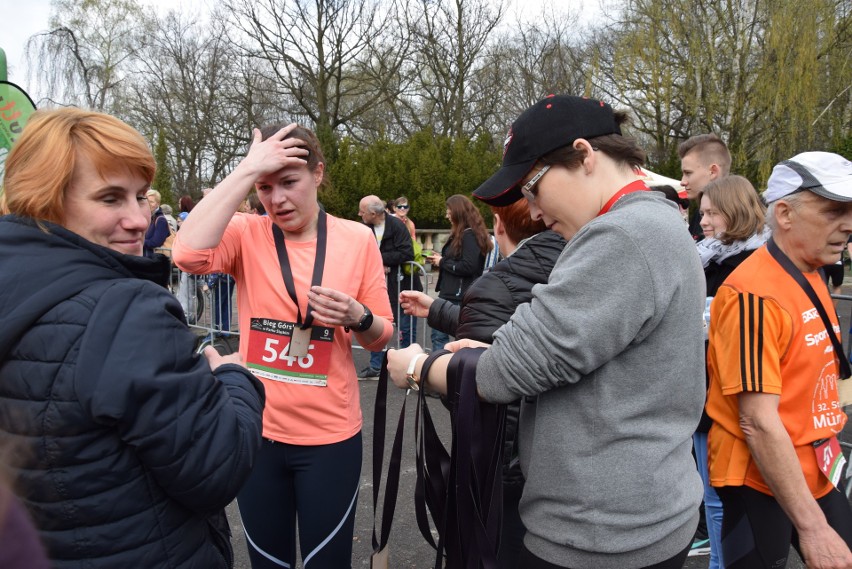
x=797, y=275
x=319, y=265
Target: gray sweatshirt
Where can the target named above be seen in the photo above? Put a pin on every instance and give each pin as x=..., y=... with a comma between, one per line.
x=613, y=348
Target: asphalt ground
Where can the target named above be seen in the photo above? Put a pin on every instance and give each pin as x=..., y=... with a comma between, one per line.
x=408, y=549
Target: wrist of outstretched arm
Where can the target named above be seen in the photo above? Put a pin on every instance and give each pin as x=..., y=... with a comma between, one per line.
x=415, y=368
x=363, y=322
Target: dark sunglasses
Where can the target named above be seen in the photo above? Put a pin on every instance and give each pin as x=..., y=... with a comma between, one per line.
x=402, y=207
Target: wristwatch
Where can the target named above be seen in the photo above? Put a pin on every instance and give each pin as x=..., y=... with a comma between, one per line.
x=364, y=323
x=409, y=375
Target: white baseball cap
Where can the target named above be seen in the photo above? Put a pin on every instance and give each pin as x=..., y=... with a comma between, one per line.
x=823, y=173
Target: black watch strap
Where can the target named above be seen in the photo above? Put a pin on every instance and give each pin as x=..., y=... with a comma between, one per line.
x=364, y=323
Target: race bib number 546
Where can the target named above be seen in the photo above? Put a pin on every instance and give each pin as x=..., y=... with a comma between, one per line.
x=269, y=357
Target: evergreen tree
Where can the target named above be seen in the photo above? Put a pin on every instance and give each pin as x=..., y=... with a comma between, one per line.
x=163, y=178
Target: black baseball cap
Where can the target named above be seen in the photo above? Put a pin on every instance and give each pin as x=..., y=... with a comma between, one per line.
x=553, y=122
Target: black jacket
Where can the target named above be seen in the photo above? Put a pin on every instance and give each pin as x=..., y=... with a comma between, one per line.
x=396, y=249
x=129, y=446
x=456, y=272
x=490, y=302
x=716, y=273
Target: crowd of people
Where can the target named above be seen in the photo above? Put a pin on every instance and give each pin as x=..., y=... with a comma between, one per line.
x=672, y=382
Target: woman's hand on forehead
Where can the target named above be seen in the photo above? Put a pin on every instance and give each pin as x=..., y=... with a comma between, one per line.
x=275, y=153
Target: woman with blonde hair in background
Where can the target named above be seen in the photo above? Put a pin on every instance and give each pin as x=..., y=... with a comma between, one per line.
x=734, y=225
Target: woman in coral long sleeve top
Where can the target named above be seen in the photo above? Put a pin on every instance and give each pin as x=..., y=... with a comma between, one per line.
x=305, y=282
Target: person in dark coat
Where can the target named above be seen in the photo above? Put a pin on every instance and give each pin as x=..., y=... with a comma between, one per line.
x=128, y=445
x=396, y=249
x=490, y=301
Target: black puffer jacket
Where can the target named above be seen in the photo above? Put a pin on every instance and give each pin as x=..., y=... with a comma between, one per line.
x=490, y=302
x=129, y=446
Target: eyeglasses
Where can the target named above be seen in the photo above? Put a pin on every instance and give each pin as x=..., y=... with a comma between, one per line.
x=528, y=188
x=402, y=206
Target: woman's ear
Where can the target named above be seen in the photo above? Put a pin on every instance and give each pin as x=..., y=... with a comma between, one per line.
x=318, y=172
x=499, y=229
x=589, y=159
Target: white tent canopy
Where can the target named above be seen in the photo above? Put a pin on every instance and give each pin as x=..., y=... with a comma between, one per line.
x=654, y=179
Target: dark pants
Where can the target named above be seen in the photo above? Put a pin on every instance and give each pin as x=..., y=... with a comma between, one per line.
x=316, y=484
x=756, y=532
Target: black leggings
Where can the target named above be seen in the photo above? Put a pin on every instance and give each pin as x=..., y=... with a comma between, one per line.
x=317, y=484
x=757, y=533
x=529, y=561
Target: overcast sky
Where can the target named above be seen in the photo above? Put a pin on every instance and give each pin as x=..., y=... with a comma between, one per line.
x=21, y=19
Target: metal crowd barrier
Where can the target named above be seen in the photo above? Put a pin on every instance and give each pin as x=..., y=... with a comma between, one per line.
x=209, y=304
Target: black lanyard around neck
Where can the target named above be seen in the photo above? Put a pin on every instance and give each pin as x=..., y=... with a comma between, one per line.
x=287, y=273
x=797, y=275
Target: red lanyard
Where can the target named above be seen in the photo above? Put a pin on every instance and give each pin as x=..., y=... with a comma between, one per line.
x=637, y=186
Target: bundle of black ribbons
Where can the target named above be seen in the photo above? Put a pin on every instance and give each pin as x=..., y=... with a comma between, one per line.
x=460, y=490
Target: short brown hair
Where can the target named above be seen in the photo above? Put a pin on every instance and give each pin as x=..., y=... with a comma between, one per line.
x=41, y=165
x=517, y=221
x=711, y=149
x=315, y=155
x=740, y=206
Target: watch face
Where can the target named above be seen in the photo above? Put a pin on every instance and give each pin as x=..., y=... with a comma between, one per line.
x=366, y=320
x=412, y=383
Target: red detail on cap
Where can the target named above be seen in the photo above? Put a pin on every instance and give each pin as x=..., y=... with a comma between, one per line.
x=602, y=103
x=549, y=106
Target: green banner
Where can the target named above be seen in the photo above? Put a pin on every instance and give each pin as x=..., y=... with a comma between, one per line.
x=15, y=108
